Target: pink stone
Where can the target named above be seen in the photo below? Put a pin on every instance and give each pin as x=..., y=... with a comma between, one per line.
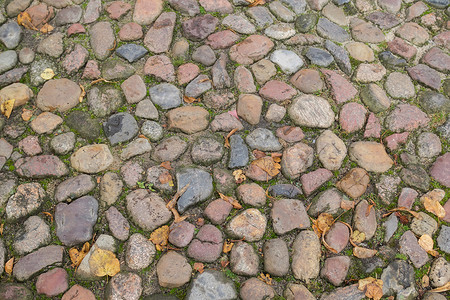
x=437, y=59
x=146, y=11
x=440, y=170
x=443, y=39
x=91, y=71
x=117, y=9
x=373, y=127
x=75, y=59
x=341, y=89
x=406, y=117
x=30, y=145
x=187, y=72
x=181, y=233
x=161, y=67
x=407, y=198
x=290, y=134
x=277, y=91
x=352, y=117
x=335, y=269
x=313, y=180
x=52, y=283
x=217, y=211
x=338, y=236
x=77, y=292
x=425, y=75
x=130, y=32
x=222, y=6
x=415, y=10
x=394, y=140
x=251, y=49
x=159, y=36
x=222, y=39
x=244, y=80
x=402, y=48
x=75, y=28
x=447, y=211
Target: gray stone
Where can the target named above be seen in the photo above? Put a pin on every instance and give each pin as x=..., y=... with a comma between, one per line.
x=311, y=111
x=331, y=150
x=440, y=272
x=8, y=59
x=75, y=221
x=263, y=139
x=288, y=61
x=340, y=56
x=244, y=260
x=137, y=147
x=415, y=176
x=63, y=143
x=434, y=102
x=7, y=187
x=238, y=152
x=10, y=34
x=147, y=110
x=117, y=223
x=239, y=24
x=281, y=12
x=306, y=256
x=392, y=62
x=280, y=31
x=131, y=52
x=332, y=31
x=92, y=12
x=298, y=6
x=444, y=130
x=102, y=39
x=74, y=187
x=165, y=95
x=276, y=257
x=152, y=130
x=261, y=16
x=398, y=279
x=211, y=285
x=140, y=252
x=198, y=86
x=189, y=7
x=391, y=226
x=170, y=149
x=120, y=128
x=375, y=98
x=14, y=291
x=319, y=57
x=37, y=67
x=200, y=187
x=27, y=199
x=428, y=145
x=52, y=45
x=443, y=239
x=34, y=234
x=2, y=257
x=328, y=201
x=410, y=247
x=438, y=3
x=104, y=100
x=114, y=69
x=206, y=151
x=110, y=188
x=68, y=15
x=204, y=55
x=305, y=22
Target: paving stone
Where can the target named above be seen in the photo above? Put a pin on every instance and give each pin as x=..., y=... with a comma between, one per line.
x=306, y=256
x=288, y=61
x=153, y=175
x=335, y=269
x=78, y=292
x=387, y=187
x=428, y=145
x=188, y=7
x=10, y=34
x=132, y=173
x=35, y=233
x=188, y=119
x=296, y=160
x=409, y=246
x=147, y=110
x=331, y=150
x=52, y=45
x=281, y=12
x=287, y=215
x=360, y=51
x=161, y=67
x=340, y=56
x=63, y=143
x=307, y=81
x=371, y=156
x=311, y=111
x=263, y=70
x=244, y=260
x=211, y=285
x=130, y=32
x=426, y=225
x=254, y=288
x=439, y=170
x=440, y=272
x=319, y=57
x=280, y=31
x=276, y=257
x=92, y=159
x=125, y=286
x=366, y=32
x=238, y=152
x=364, y=223
x=338, y=236
x=352, y=117
x=341, y=89
x=443, y=239
x=250, y=224
x=297, y=291
x=140, y=252
x=375, y=98
x=433, y=102
x=425, y=75
x=53, y=282
x=313, y=180
x=332, y=31
x=398, y=279
x=173, y=270
x=102, y=39
x=198, y=28
x=413, y=33
x=170, y=149
x=391, y=62
x=58, y=94
x=117, y=223
x=40, y=166
x=34, y=262
x=239, y=24
x=198, y=86
x=251, y=49
x=263, y=139
x=354, y=183
x=200, y=187
x=74, y=187
x=120, y=127
x=251, y=194
x=261, y=16
x=207, y=246
x=181, y=234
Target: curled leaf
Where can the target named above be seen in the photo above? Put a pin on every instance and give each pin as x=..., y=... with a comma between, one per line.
x=415, y=214
x=357, y=237
x=426, y=242
x=166, y=165
x=190, y=100
x=265, y=278
x=77, y=256
x=199, y=267
x=227, y=141
x=361, y=252
x=83, y=93
x=9, y=266
x=6, y=107
x=372, y=287
x=104, y=262
x=47, y=74
x=46, y=28
x=160, y=237
x=227, y=246
x=239, y=176
x=24, y=20
x=433, y=206
x=444, y=288
x=268, y=165
x=231, y=200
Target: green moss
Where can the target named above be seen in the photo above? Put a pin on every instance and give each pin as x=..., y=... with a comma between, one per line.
x=401, y=256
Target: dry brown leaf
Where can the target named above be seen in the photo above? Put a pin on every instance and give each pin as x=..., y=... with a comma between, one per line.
x=227, y=141
x=357, y=237
x=165, y=177
x=347, y=204
x=268, y=165
x=415, y=214
x=83, y=93
x=26, y=114
x=166, y=165
x=324, y=222
x=9, y=266
x=48, y=215
x=104, y=262
x=47, y=74
x=224, y=263
x=227, y=246
x=427, y=243
x=256, y=2
x=231, y=200
x=372, y=287
x=24, y=19
x=1, y=228
x=276, y=156
x=265, y=278
x=239, y=176
x=444, y=288
x=258, y=154
x=7, y=107
x=199, y=267
x=160, y=237
x=190, y=100
x=369, y=207
x=402, y=218
x=46, y=28
x=200, y=222
x=425, y=281
x=433, y=206
x=361, y=252
x=329, y=248
x=77, y=256
x=99, y=80
x=204, y=80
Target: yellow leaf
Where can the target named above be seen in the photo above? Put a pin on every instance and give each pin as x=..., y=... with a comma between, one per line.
x=426, y=242
x=444, y=288
x=165, y=177
x=361, y=252
x=77, y=256
x=104, y=262
x=358, y=237
x=227, y=246
x=425, y=281
x=227, y=141
x=26, y=114
x=190, y=100
x=47, y=74
x=265, y=278
x=372, y=287
x=24, y=19
x=239, y=176
x=46, y=28
x=9, y=266
x=83, y=93
x=160, y=237
x=7, y=107
x=268, y=165
x=433, y=206
x=199, y=267
x=231, y=200
x=324, y=222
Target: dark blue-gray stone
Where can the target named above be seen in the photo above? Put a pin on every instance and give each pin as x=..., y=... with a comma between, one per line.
x=340, y=56
x=285, y=190
x=298, y=6
x=131, y=52
x=392, y=62
x=211, y=285
x=340, y=2
x=165, y=95
x=263, y=139
x=332, y=31
x=238, y=152
x=319, y=57
x=200, y=187
x=438, y=3
x=10, y=34
x=120, y=128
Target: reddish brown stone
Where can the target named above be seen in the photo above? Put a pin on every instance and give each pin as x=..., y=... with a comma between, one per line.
x=352, y=117
x=161, y=67
x=338, y=236
x=77, y=292
x=217, y=211
x=75, y=28
x=187, y=72
x=277, y=91
x=437, y=59
x=251, y=49
x=373, y=127
x=402, y=48
x=341, y=89
x=52, y=283
x=222, y=39
x=308, y=81
x=130, y=32
x=440, y=170
x=407, y=198
x=313, y=180
x=290, y=134
x=117, y=9
x=394, y=140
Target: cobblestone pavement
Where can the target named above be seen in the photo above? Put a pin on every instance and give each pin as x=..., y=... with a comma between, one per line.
x=224, y=149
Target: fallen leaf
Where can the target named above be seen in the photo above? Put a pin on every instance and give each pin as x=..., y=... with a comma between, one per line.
x=160, y=237
x=46, y=28
x=234, y=113
x=415, y=214
x=77, y=256
x=200, y=222
x=425, y=281
x=26, y=114
x=231, y=200
x=239, y=176
x=99, y=80
x=324, y=222
x=83, y=93
x=47, y=74
x=104, y=262
x=204, y=80
x=268, y=165
x=24, y=19
x=347, y=204
x=190, y=100
x=265, y=278
x=258, y=154
x=165, y=177
x=444, y=288
x=227, y=141
x=227, y=246
x=256, y=2
x=372, y=287
x=1, y=228
x=369, y=207
x=358, y=237
x=166, y=165
x=329, y=248
x=224, y=263
x=433, y=206
x=427, y=243
x=199, y=267
x=9, y=266
x=276, y=157
x=402, y=218
x=48, y=215
x=7, y=107
x=361, y=252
